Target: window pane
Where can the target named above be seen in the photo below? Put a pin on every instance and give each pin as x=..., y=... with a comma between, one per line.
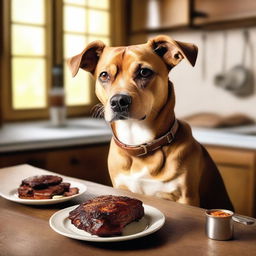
x=74, y=19
x=80, y=2
x=28, y=40
x=73, y=44
x=99, y=22
x=99, y=3
x=105, y=40
x=30, y=11
x=77, y=88
x=28, y=83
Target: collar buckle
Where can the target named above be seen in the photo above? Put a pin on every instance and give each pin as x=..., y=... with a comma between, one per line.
x=145, y=150
x=170, y=137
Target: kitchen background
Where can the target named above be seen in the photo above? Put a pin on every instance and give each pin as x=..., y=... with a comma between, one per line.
x=195, y=87
x=45, y=115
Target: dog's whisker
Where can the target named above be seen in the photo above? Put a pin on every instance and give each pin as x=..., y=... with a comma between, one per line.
x=99, y=113
x=97, y=110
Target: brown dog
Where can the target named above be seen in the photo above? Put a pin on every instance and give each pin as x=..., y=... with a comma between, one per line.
x=151, y=152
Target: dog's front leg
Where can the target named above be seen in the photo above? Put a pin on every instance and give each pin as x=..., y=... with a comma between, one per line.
x=190, y=191
x=180, y=197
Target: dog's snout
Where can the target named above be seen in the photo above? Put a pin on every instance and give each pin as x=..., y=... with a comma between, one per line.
x=120, y=102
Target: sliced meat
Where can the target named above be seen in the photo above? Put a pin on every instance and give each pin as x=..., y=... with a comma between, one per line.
x=44, y=187
x=49, y=192
x=25, y=192
x=71, y=192
x=42, y=181
x=106, y=215
x=66, y=186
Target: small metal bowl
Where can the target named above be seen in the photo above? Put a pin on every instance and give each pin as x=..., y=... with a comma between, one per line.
x=219, y=227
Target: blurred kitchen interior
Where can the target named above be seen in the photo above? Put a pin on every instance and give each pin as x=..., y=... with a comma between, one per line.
x=44, y=111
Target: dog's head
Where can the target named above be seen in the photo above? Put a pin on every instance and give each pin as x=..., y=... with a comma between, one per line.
x=130, y=79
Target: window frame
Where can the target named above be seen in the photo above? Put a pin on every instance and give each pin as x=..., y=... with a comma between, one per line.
x=8, y=112
x=54, y=56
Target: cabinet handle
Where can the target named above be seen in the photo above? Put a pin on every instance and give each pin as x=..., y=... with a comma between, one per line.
x=36, y=162
x=74, y=161
x=199, y=14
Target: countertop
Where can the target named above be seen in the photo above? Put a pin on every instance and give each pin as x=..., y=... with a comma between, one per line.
x=84, y=131
x=236, y=137
x=25, y=229
x=41, y=134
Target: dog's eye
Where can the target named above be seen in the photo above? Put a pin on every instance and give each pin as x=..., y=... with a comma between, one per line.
x=104, y=76
x=145, y=72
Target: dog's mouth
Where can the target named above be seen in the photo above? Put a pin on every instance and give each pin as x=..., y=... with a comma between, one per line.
x=124, y=116
x=120, y=116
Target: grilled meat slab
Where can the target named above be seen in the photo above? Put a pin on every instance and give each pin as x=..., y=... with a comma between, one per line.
x=44, y=187
x=106, y=215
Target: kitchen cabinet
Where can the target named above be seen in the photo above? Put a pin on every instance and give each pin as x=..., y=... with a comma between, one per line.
x=87, y=162
x=156, y=16
x=224, y=12
x=238, y=168
x=150, y=15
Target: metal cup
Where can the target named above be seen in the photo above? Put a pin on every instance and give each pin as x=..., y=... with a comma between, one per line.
x=219, y=228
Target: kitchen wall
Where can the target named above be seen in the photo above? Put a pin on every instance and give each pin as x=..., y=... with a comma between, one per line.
x=195, y=88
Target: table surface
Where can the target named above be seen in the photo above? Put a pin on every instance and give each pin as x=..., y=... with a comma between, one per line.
x=24, y=230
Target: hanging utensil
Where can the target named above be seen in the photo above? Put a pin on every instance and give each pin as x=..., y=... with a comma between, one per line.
x=220, y=78
x=204, y=57
x=239, y=78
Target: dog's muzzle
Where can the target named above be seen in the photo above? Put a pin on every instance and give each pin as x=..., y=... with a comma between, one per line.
x=120, y=104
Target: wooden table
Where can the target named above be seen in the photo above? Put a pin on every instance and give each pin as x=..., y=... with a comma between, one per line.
x=24, y=230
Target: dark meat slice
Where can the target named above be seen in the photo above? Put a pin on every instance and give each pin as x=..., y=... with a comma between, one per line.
x=26, y=192
x=44, y=187
x=66, y=186
x=106, y=215
x=49, y=192
x=42, y=181
x=71, y=192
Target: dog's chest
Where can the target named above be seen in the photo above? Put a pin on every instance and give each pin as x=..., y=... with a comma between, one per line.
x=133, y=133
x=142, y=182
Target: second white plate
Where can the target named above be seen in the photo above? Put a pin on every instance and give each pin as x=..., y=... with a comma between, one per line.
x=12, y=195
x=152, y=221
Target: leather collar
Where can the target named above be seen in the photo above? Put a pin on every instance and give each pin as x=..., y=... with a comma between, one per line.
x=146, y=148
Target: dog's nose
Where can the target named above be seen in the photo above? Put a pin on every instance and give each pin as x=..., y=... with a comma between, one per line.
x=120, y=102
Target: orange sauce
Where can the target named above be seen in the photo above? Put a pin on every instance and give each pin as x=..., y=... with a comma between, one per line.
x=220, y=214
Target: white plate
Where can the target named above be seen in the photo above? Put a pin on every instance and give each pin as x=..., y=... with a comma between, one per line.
x=12, y=195
x=152, y=221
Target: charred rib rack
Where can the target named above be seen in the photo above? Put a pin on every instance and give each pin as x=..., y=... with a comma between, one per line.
x=106, y=215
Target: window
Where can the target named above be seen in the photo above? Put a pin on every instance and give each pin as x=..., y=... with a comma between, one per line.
x=91, y=23
x=32, y=39
x=28, y=54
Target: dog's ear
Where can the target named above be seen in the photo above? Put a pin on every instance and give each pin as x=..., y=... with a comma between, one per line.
x=173, y=51
x=87, y=59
